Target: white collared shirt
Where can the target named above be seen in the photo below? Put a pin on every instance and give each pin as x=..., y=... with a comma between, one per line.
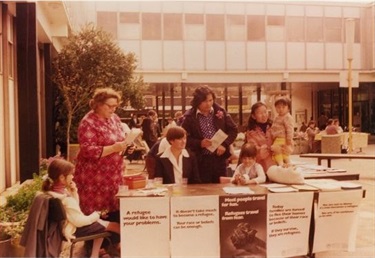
x=177, y=166
x=199, y=112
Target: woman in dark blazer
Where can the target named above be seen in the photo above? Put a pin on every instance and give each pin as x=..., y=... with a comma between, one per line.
x=176, y=162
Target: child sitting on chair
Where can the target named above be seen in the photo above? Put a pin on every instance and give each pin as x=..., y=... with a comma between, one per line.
x=60, y=184
x=282, y=132
x=248, y=171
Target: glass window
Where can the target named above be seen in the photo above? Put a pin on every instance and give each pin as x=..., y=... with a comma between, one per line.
x=194, y=19
x=108, y=22
x=357, y=32
x=275, y=20
x=295, y=29
x=151, y=26
x=129, y=17
x=333, y=29
x=236, y=29
x=314, y=29
x=172, y=24
x=255, y=28
x=194, y=27
x=215, y=27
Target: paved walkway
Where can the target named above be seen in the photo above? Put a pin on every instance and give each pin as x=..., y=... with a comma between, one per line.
x=365, y=243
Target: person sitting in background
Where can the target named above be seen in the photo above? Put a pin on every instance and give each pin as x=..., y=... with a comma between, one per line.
x=149, y=128
x=170, y=124
x=176, y=163
x=248, y=171
x=336, y=122
x=311, y=131
x=178, y=117
x=331, y=128
x=303, y=127
x=139, y=150
x=134, y=121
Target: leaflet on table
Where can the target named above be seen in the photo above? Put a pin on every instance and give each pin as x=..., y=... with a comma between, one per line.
x=336, y=218
x=237, y=190
x=324, y=184
x=317, y=169
x=217, y=140
x=286, y=189
x=133, y=134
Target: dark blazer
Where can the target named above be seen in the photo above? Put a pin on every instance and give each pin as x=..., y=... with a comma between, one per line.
x=164, y=169
x=194, y=133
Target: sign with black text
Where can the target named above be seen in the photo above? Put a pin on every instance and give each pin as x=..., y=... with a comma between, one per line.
x=144, y=227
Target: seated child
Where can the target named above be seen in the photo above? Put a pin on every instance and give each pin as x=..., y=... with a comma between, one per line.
x=248, y=171
x=60, y=184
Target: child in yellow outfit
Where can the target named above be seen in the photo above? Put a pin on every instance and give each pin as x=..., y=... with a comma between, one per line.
x=282, y=132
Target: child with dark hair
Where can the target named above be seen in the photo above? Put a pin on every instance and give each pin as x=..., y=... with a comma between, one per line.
x=282, y=132
x=248, y=172
x=59, y=184
x=176, y=162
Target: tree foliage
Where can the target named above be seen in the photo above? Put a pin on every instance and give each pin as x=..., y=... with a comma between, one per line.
x=91, y=59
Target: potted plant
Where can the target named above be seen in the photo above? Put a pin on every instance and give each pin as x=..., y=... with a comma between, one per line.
x=13, y=215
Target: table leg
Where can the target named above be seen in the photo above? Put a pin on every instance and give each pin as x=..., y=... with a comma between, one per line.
x=329, y=162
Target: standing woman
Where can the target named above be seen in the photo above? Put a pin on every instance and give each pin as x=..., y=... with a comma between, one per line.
x=259, y=134
x=201, y=122
x=100, y=164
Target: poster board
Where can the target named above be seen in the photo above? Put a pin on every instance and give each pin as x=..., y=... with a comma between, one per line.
x=144, y=227
x=243, y=225
x=288, y=220
x=336, y=218
x=195, y=226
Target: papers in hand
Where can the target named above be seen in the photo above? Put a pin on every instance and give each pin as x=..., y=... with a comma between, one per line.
x=217, y=140
x=134, y=132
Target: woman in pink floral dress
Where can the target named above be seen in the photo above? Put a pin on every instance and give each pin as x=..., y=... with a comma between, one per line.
x=100, y=162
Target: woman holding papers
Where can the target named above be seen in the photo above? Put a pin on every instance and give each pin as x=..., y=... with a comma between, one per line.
x=176, y=163
x=202, y=122
x=100, y=163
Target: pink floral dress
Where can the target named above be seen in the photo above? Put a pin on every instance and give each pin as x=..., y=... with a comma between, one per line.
x=97, y=177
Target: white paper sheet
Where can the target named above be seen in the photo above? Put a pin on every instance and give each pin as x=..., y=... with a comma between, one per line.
x=237, y=190
x=134, y=132
x=217, y=140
